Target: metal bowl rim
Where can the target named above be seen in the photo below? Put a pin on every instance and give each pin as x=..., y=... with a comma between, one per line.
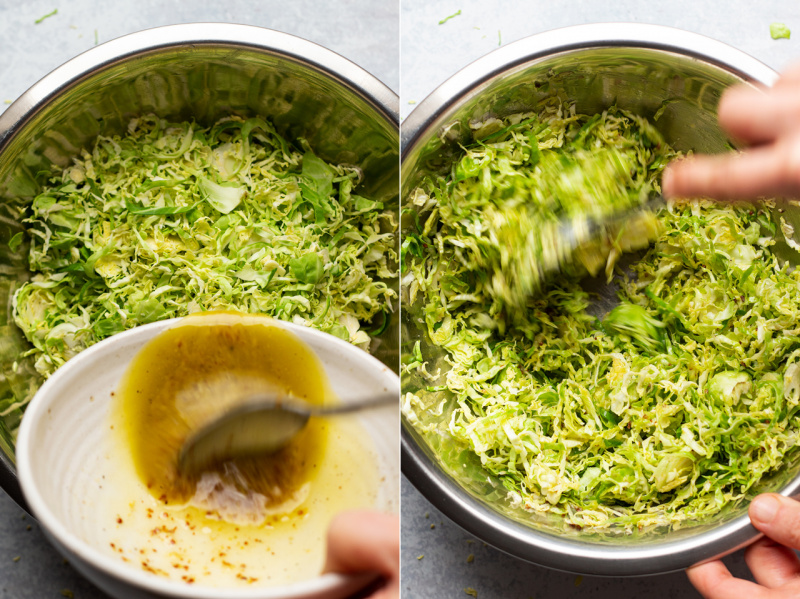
x=503, y=533
x=171, y=37
x=569, y=39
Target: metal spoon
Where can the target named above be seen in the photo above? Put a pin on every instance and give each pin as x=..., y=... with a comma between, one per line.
x=573, y=233
x=560, y=239
x=261, y=425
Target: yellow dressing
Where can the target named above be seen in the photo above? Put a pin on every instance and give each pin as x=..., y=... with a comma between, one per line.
x=255, y=521
x=192, y=373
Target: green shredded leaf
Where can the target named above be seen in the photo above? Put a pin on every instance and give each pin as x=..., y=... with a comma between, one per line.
x=133, y=209
x=663, y=412
x=173, y=218
x=635, y=322
x=16, y=241
x=47, y=16
x=779, y=31
x=317, y=185
x=308, y=268
x=455, y=14
x=224, y=198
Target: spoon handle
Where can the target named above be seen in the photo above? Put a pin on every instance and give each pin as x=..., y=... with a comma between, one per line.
x=263, y=424
x=357, y=406
x=573, y=233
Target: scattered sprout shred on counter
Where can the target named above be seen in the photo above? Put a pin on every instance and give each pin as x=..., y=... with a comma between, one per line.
x=455, y=14
x=779, y=31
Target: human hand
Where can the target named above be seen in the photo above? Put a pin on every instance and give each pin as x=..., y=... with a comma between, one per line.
x=768, y=122
x=774, y=565
x=366, y=542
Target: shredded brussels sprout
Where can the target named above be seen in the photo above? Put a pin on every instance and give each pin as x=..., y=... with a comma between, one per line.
x=511, y=192
x=669, y=408
x=779, y=31
x=176, y=218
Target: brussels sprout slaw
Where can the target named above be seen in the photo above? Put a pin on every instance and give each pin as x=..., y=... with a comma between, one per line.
x=664, y=411
x=175, y=218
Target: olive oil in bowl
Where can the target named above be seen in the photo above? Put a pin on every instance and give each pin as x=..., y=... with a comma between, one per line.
x=259, y=520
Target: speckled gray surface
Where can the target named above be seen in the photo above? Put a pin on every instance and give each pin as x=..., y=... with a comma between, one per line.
x=29, y=567
x=430, y=52
x=436, y=564
x=435, y=551
x=364, y=31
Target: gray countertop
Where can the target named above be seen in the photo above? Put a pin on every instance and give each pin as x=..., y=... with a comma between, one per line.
x=435, y=555
x=364, y=31
x=436, y=564
x=431, y=52
x=435, y=551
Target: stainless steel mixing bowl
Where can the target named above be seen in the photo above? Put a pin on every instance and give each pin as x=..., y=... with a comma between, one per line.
x=183, y=72
x=641, y=68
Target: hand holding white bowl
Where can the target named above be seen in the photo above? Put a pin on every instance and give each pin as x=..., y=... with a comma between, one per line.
x=363, y=542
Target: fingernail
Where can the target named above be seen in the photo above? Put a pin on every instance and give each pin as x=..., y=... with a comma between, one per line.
x=764, y=508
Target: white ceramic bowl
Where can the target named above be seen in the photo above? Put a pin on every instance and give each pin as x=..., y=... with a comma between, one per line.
x=64, y=463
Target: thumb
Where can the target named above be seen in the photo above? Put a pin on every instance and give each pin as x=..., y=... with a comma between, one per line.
x=778, y=517
x=364, y=541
